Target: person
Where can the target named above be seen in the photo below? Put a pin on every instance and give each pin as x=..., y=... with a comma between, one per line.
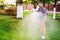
x=42, y=11
x=19, y=9
x=36, y=7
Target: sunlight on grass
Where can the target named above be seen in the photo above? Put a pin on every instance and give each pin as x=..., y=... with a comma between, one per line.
x=9, y=28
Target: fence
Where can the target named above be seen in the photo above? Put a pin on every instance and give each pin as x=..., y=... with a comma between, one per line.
x=51, y=6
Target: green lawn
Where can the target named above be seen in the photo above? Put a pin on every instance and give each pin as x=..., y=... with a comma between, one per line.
x=10, y=30
x=26, y=13
x=58, y=16
x=8, y=27
x=53, y=28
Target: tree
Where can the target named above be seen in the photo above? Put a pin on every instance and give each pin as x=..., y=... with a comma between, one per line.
x=20, y=9
x=33, y=1
x=44, y=1
x=1, y=0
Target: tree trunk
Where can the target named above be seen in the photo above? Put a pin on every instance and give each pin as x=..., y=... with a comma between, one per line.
x=19, y=9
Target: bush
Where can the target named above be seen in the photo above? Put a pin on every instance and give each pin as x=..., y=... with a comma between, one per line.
x=1, y=6
x=11, y=11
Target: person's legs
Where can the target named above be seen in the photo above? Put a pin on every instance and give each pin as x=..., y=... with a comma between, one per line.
x=42, y=27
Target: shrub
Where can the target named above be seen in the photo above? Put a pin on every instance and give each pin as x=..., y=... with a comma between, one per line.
x=1, y=6
x=11, y=11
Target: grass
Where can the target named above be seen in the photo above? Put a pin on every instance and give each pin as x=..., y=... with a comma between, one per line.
x=53, y=28
x=8, y=27
x=26, y=13
x=58, y=16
